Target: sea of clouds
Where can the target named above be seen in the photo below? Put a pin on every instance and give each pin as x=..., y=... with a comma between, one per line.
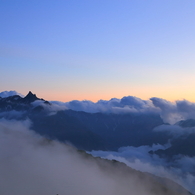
x=31, y=165
x=181, y=170
x=51, y=168
x=170, y=112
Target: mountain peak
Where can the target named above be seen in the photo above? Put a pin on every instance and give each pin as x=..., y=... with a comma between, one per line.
x=30, y=94
x=30, y=97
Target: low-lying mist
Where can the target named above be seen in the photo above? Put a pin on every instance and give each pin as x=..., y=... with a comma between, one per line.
x=31, y=164
x=180, y=169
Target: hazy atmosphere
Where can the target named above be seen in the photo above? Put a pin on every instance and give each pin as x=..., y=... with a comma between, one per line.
x=31, y=165
x=97, y=97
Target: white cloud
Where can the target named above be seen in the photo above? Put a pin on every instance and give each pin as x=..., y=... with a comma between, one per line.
x=173, y=112
x=12, y=114
x=129, y=104
x=175, y=130
x=51, y=108
x=5, y=94
x=140, y=159
x=170, y=112
x=33, y=165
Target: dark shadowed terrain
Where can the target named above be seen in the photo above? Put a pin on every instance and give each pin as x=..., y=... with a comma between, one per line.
x=129, y=130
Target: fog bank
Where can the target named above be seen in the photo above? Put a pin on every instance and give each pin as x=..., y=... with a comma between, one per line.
x=31, y=164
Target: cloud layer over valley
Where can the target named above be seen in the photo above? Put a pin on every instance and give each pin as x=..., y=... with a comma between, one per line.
x=30, y=164
x=131, y=130
x=143, y=158
x=171, y=112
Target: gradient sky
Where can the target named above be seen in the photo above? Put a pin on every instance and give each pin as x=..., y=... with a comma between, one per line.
x=98, y=49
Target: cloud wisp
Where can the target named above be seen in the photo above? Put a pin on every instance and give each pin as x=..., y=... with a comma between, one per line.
x=50, y=108
x=181, y=170
x=5, y=94
x=175, y=130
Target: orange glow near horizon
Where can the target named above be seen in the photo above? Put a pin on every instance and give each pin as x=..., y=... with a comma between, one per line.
x=143, y=93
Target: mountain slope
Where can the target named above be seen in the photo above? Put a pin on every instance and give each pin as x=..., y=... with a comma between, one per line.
x=89, y=131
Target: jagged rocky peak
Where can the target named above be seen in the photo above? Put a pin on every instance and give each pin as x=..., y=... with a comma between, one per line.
x=30, y=94
x=30, y=97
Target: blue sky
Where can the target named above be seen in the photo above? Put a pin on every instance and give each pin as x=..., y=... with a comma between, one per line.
x=83, y=49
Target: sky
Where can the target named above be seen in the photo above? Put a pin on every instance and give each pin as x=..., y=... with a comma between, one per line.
x=82, y=49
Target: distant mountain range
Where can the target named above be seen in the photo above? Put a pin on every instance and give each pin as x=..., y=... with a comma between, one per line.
x=96, y=131
x=108, y=131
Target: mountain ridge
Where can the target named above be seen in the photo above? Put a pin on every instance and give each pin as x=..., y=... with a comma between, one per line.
x=93, y=131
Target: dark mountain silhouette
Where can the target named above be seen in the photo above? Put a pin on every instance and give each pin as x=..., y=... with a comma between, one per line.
x=30, y=97
x=19, y=103
x=103, y=131
x=97, y=131
x=86, y=130
x=119, y=130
